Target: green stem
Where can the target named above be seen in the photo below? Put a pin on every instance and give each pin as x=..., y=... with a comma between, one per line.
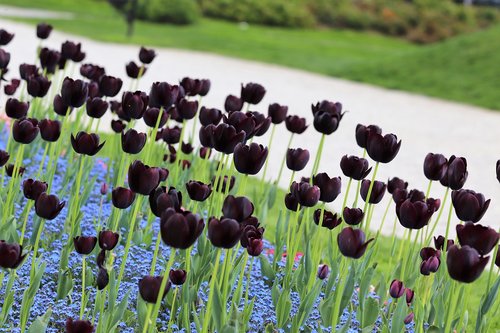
x=368, y=195
x=284, y=159
x=163, y=285
x=344, y=203
x=206, y=321
x=268, y=154
x=318, y=155
x=82, y=305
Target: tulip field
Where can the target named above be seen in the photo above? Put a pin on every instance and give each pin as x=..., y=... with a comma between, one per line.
x=183, y=227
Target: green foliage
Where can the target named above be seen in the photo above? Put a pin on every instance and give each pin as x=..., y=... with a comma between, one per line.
x=169, y=11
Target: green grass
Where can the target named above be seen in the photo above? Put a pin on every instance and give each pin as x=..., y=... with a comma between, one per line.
x=464, y=68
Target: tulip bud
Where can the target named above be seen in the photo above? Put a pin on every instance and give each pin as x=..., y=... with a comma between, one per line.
x=86, y=144
x=177, y=276
x=296, y=124
x=255, y=247
x=11, y=255
x=296, y=159
x=233, y=103
x=353, y=216
x=327, y=116
x=479, y=237
x=84, y=244
x=277, y=113
x=252, y=93
x=122, y=197
x=409, y=296
x=180, y=230
x=469, y=205
x=104, y=189
x=109, y=85
x=108, y=239
x=50, y=130
x=329, y=221
x=362, y=134
x=409, y=318
x=198, y=191
x=352, y=242
x=249, y=159
x=25, y=130
x=16, y=109
x=43, y=30
x=4, y=157
x=465, y=264
x=224, y=233
x=101, y=258
x=396, y=289
x=102, y=278
x=79, y=326
x=323, y=271
x=33, y=188
x=149, y=288
x=430, y=265
x=142, y=178
x=378, y=191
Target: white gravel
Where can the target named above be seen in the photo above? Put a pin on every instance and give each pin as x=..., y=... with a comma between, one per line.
x=424, y=124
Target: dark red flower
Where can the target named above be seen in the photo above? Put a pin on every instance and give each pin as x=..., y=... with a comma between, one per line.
x=198, y=191
x=161, y=199
x=327, y=116
x=255, y=247
x=329, y=187
x=109, y=85
x=435, y=166
x=209, y=116
x=134, y=104
x=4, y=157
x=177, y=276
x=33, y=188
x=323, y=271
x=146, y=56
x=171, y=135
x=362, y=132
x=456, y=173
x=414, y=214
x=296, y=124
x=118, y=126
x=382, y=149
x=353, y=216
x=308, y=195
x=133, y=141
x=352, y=242
x=133, y=70
x=396, y=183
x=96, y=107
x=233, y=103
x=378, y=191
x=95, y=73
x=9, y=169
x=49, y=59
x=329, y=221
x=187, y=109
x=224, y=233
x=5, y=37
x=122, y=197
x=151, y=117
x=252, y=93
x=108, y=239
x=38, y=85
x=27, y=70
x=237, y=208
x=10, y=89
x=60, y=107
x=102, y=279
x=296, y=159
x=163, y=94
x=43, y=30
x=79, y=326
x=354, y=167
x=222, y=137
x=439, y=243
x=50, y=130
x=249, y=159
x=277, y=113
x=397, y=289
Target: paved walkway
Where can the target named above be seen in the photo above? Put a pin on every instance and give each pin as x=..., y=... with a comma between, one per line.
x=424, y=124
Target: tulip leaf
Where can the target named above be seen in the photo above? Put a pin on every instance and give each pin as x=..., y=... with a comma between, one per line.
x=370, y=312
x=348, y=290
x=398, y=316
x=433, y=329
x=491, y=297
x=283, y=308
x=326, y=310
x=267, y=270
x=347, y=324
x=118, y=312
x=218, y=308
x=41, y=322
x=272, y=196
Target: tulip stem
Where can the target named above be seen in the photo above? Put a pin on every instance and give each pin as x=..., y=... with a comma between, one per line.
x=284, y=159
x=155, y=254
x=23, y=229
x=344, y=203
x=318, y=155
x=206, y=320
x=269, y=154
x=492, y=268
x=428, y=189
x=195, y=122
x=172, y=309
x=429, y=235
x=368, y=195
x=448, y=222
x=35, y=247
x=42, y=162
x=82, y=303
x=186, y=304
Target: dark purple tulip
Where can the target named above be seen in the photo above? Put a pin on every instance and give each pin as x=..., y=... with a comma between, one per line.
x=262, y=123
x=48, y=206
x=222, y=137
x=4, y=157
x=187, y=109
x=237, y=208
x=70, y=49
x=439, y=243
x=122, y=197
x=327, y=116
x=95, y=73
x=102, y=279
x=329, y=187
x=382, y=149
x=43, y=30
x=354, y=167
x=38, y=85
x=27, y=70
x=49, y=59
x=151, y=117
x=221, y=187
x=10, y=89
x=242, y=122
x=209, y=116
x=9, y=169
x=295, y=124
x=233, y=103
x=4, y=61
x=251, y=231
x=50, y=130
x=329, y=221
x=109, y=85
x=163, y=94
x=16, y=109
x=84, y=244
x=173, y=113
x=191, y=86
x=60, y=107
x=108, y=239
x=353, y=216
x=118, y=126
x=74, y=92
x=249, y=159
x=415, y=214
x=255, y=247
x=469, y=205
x=291, y=202
x=397, y=289
x=409, y=318
x=352, y=242
x=224, y=233
x=252, y=93
x=435, y=166
x=497, y=259
x=187, y=148
x=25, y=130
x=146, y=56
x=362, y=133
x=277, y=113
x=296, y=159
x=163, y=174
x=180, y=230
x=79, y=326
x=11, y=255
x=498, y=170
x=177, y=276
x=399, y=195
x=323, y=271
x=205, y=153
x=94, y=89
x=409, y=295
x=481, y=238
x=205, y=85
x=142, y=178
x=149, y=288
x=308, y=195
x=456, y=173
x=161, y=199
x=198, y=191
x=86, y=144
x=96, y=107
x=104, y=189
x=430, y=265
x=133, y=141
x=465, y=264
x=134, y=104
x=378, y=191
x=5, y=37
x=133, y=71
x=396, y=183
x=171, y=135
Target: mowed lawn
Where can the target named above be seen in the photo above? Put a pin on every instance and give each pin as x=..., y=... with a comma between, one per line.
x=465, y=68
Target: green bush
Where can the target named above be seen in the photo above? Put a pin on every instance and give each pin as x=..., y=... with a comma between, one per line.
x=169, y=11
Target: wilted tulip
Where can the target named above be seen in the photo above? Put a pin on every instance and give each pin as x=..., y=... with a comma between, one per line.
x=352, y=242
x=327, y=116
x=277, y=113
x=233, y=103
x=84, y=244
x=108, y=239
x=237, y=208
x=33, y=188
x=224, y=233
x=4, y=157
x=11, y=255
x=249, y=159
x=308, y=195
x=122, y=197
x=151, y=117
x=323, y=271
x=382, y=149
x=86, y=144
x=439, y=243
x=102, y=279
x=295, y=124
x=43, y=30
x=209, y=116
x=142, y=178
x=9, y=170
x=481, y=238
x=396, y=183
x=180, y=230
x=378, y=191
x=329, y=221
x=133, y=141
x=16, y=109
x=354, y=167
x=296, y=159
x=397, y=289
x=198, y=191
x=109, y=85
x=456, y=173
x=146, y=56
x=50, y=130
x=465, y=264
x=329, y=187
x=362, y=134
x=38, y=85
x=177, y=276
x=163, y=94
x=118, y=126
x=469, y=205
x=255, y=247
x=5, y=37
x=79, y=326
x=49, y=59
x=96, y=107
x=149, y=288
x=25, y=130
x=10, y=89
x=353, y=216
x=252, y=93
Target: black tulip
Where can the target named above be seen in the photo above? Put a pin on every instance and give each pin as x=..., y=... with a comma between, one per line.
x=134, y=71
x=84, y=244
x=48, y=206
x=465, y=264
x=163, y=94
x=60, y=107
x=9, y=170
x=209, y=116
x=242, y=122
x=96, y=107
x=69, y=49
x=469, y=205
x=296, y=159
x=149, y=288
x=224, y=233
x=396, y=183
x=397, y=289
x=378, y=191
x=93, y=73
x=10, y=89
x=133, y=141
x=27, y=70
x=142, y=178
x=291, y=202
x=481, y=238
x=5, y=37
x=354, y=167
x=49, y=59
x=330, y=220
x=102, y=279
x=262, y=123
x=205, y=85
x=4, y=61
x=308, y=195
x=108, y=239
x=151, y=117
x=146, y=56
x=177, y=276
x=329, y=187
x=187, y=148
x=399, y=195
x=382, y=149
x=223, y=183
x=43, y=30
x=237, y=208
x=74, y=92
x=430, y=265
x=109, y=85
x=50, y=130
x=277, y=113
x=4, y=157
x=25, y=130
x=327, y=116
x=11, y=255
x=414, y=214
x=38, y=85
x=323, y=271
x=16, y=109
x=296, y=124
x=198, y=191
x=94, y=89
x=439, y=243
x=79, y=326
x=86, y=144
x=352, y=242
x=456, y=173
x=362, y=132
x=160, y=200
x=118, y=126
x=255, y=247
x=252, y=93
x=251, y=231
x=222, y=137
x=435, y=166
x=180, y=230
x=233, y=103
x=134, y=104
x=171, y=135
x=353, y=216
x=249, y=159
x=122, y=197
x=187, y=109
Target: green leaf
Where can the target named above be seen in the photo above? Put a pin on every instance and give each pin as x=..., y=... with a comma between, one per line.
x=370, y=312
x=348, y=290
x=398, y=316
x=283, y=308
x=41, y=322
x=267, y=269
x=433, y=329
x=219, y=308
x=491, y=297
x=347, y=325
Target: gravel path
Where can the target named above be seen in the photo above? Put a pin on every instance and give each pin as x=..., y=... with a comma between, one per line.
x=424, y=124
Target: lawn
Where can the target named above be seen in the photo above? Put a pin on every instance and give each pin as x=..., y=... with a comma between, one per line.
x=464, y=68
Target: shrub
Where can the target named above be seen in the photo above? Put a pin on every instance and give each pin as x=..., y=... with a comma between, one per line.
x=169, y=11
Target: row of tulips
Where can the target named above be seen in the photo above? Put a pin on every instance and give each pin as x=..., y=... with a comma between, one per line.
x=149, y=172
